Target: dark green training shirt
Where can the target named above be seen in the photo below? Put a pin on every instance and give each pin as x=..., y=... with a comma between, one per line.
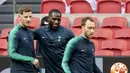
x=79, y=56
x=20, y=48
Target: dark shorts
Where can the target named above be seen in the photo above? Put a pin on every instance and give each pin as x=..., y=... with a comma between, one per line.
x=19, y=71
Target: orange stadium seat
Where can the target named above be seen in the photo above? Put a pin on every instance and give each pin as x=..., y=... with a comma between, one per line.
x=115, y=45
x=127, y=9
x=80, y=6
x=47, y=5
x=4, y=33
x=114, y=23
x=3, y=47
x=109, y=6
x=65, y=22
x=77, y=22
x=35, y=22
x=100, y=35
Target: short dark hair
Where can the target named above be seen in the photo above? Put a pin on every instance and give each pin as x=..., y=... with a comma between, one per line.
x=24, y=9
x=54, y=10
x=43, y=20
x=83, y=21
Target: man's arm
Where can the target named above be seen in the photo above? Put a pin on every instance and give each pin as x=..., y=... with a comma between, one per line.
x=35, y=33
x=12, y=45
x=67, y=56
x=95, y=67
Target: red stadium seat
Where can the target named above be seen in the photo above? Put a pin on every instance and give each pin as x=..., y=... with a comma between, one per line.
x=115, y=45
x=114, y=23
x=47, y=5
x=35, y=22
x=5, y=32
x=100, y=35
x=3, y=44
x=3, y=52
x=65, y=22
x=95, y=44
x=127, y=9
x=104, y=53
x=77, y=22
x=126, y=53
x=80, y=6
x=109, y=6
x=76, y=31
x=124, y=35
x=68, y=2
x=3, y=47
x=124, y=1
x=119, y=22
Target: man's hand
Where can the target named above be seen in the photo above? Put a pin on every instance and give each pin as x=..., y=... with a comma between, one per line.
x=36, y=63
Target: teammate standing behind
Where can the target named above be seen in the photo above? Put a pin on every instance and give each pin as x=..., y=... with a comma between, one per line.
x=79, y=53
x=52, y=40
x=44, y=21
x=20, y=45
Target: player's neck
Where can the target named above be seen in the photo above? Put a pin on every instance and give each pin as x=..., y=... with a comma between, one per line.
x=85, y=36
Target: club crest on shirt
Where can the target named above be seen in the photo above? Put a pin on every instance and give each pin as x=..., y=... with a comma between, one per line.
x=59, y=38
x=24, y=38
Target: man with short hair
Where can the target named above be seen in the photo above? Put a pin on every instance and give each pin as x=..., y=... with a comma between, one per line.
x=52, y=40
x=20, y=45
x=79, y=52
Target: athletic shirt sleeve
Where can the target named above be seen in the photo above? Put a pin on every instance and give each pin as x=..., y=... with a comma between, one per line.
x=70, y=48
x=13, y=44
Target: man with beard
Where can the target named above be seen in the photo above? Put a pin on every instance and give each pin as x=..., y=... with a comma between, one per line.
x=79, y=52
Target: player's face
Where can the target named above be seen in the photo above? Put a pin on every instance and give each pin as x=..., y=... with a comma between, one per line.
x=25, y=18
x=54, y=20
x=88, y=29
